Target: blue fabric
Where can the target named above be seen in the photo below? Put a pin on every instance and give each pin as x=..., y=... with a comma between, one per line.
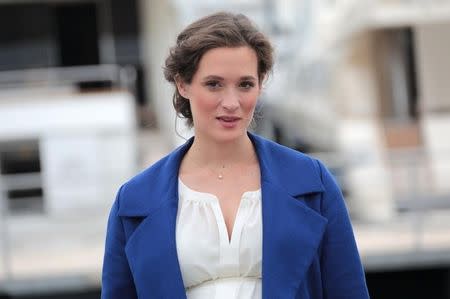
x=309, y=250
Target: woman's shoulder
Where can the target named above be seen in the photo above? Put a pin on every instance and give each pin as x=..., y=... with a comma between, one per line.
x=148, y=174
x=283, y=159
x=162, y=168
x=146, y=190
x=284, y=155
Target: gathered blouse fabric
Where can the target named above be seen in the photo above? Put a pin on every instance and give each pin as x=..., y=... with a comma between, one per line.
x=212, y=265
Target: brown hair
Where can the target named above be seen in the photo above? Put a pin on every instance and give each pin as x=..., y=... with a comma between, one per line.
x=214, y=31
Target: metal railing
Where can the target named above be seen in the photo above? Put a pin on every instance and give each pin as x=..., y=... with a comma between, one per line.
x=412, y=172
x=4, y=236
x=118, y=76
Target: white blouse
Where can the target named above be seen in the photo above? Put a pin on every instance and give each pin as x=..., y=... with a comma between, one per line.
x=211, y=265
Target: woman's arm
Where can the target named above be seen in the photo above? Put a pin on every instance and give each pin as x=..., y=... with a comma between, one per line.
x=342, y=271
x=117, y=280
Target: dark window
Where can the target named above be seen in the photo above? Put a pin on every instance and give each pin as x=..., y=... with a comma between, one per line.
x=20, y=174
x=48, y=35
x=397, y=74
x=26, y=37
x=77, y=34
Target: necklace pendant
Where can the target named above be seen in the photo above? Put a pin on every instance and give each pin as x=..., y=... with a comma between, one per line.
x=220, y=176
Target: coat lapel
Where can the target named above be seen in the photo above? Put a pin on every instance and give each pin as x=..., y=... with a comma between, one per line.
x=291, y=236
x=152, y=255
x=152, y=202
x=292, y=231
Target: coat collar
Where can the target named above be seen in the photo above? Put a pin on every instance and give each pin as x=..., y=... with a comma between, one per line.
x=287, y=169
x=291, y=230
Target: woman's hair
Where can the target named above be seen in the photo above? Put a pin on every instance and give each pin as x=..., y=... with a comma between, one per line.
x=213, y=31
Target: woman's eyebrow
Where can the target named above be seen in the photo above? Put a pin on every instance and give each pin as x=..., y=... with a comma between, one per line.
x=251, y=78
x=213, y=77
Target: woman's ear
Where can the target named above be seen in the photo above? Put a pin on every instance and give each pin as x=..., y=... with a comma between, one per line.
x=182, y=87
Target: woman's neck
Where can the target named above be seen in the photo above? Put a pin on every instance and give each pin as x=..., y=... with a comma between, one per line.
x=204, y=152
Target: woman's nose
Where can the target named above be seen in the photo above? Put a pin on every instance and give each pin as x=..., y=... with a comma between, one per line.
x=230, y=100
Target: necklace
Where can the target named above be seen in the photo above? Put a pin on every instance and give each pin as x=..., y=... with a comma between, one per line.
x=217, y=173
x=220, y=175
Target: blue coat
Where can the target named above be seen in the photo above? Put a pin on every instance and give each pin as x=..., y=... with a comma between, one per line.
x=309, y=250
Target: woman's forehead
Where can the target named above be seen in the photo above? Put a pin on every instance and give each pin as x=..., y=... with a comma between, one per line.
x=225, y=62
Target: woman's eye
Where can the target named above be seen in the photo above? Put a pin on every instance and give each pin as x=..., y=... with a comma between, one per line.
x=247, y=85
x=213, y=84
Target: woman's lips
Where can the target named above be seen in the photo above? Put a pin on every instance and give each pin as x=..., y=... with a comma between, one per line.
x=228, y=121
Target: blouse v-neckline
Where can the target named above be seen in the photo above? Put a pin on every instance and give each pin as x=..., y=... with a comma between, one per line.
x=212, y=199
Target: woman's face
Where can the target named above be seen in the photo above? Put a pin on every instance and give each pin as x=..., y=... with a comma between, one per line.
x=223, y=93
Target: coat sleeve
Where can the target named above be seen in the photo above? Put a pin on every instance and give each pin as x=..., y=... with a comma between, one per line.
x=117, y=280
x=342, y=271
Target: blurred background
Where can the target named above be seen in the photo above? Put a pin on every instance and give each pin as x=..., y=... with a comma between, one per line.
x=361, y=84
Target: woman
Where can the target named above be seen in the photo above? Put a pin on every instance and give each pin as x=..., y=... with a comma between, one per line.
x=229, y=214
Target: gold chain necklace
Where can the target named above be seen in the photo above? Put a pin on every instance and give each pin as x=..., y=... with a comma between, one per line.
x=217, y=173
x=220, y=175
